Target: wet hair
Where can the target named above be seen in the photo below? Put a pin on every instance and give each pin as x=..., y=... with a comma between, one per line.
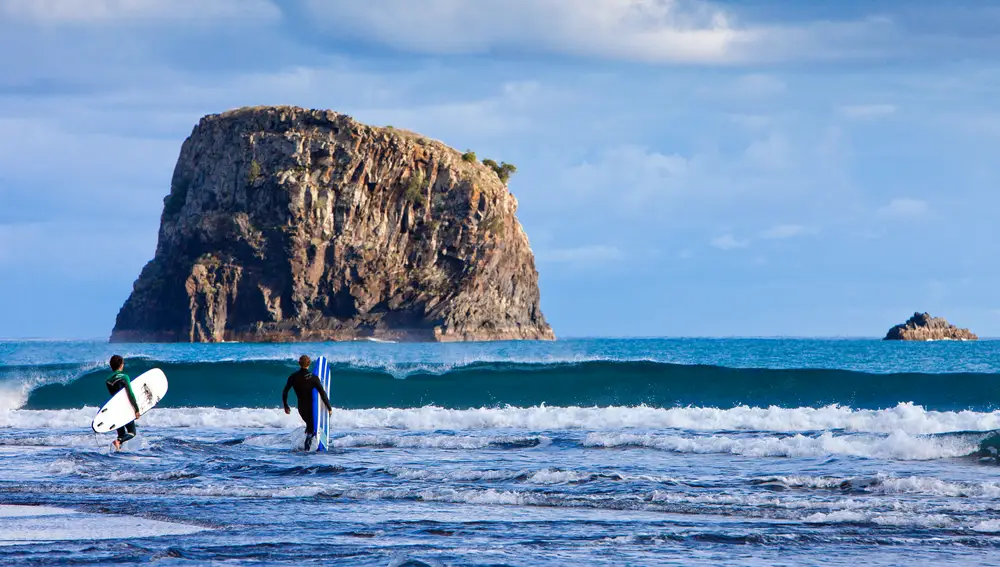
x=117, y=362
x=304, y=361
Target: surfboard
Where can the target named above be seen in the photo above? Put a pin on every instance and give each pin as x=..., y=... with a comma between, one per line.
x=321, y=368
x=149, y=388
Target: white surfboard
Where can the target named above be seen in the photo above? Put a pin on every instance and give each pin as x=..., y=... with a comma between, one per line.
x=149, y=388
x=321, y=368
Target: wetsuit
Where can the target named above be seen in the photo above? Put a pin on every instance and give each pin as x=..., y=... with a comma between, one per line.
x=304, y=382
x=115, y=383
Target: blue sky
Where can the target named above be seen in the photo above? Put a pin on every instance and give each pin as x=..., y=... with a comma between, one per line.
x=685, y=168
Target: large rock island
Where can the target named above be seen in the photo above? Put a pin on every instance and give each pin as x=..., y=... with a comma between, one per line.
x=287, y=224
x=923, y=327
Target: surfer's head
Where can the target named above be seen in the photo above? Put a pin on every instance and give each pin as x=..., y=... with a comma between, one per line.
x=304, y=361
x=117, y=363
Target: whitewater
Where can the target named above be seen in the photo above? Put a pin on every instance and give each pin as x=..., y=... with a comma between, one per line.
x=596, y=451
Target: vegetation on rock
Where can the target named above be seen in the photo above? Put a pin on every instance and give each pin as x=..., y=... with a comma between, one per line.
x=503, y=170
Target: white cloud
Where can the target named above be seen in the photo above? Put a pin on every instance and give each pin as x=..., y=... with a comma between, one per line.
x=663, y=31
x=783, y=168
x=867, y=111
x=633, y=173
x=106, y=11
x=903, y=207
x=503, y=113
x=728, y=242
x=786, y=231
x=771, y=152
x=596, y=253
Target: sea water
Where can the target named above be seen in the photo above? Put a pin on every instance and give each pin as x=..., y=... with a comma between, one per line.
x=575, y=452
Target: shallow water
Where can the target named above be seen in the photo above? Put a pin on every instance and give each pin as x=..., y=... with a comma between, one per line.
x=657, y=484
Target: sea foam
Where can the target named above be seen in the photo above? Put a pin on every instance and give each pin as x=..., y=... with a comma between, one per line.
x=905, y=417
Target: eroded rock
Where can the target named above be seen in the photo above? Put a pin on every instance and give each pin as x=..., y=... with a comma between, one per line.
x=287, y=224
x=923, y=327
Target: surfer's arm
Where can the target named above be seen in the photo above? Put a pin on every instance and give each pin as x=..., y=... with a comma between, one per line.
x=131, y=394
x=284, y=394
x=322, y=393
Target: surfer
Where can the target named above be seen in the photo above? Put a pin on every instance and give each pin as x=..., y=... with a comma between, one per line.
x=304, y=382
x=115, y=383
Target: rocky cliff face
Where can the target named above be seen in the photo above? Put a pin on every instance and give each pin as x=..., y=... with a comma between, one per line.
x=923, y=327
x=286, y=224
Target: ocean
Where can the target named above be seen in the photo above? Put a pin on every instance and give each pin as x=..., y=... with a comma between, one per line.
x=574, y=452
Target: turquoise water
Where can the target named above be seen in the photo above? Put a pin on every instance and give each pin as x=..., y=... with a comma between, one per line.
x=609, y=452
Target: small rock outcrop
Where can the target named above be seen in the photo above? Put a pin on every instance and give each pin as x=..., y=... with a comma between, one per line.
x=923, y=327
x=287, y=224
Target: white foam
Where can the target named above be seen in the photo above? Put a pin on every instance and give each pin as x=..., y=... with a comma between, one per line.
x=882, y=519
x=130, y=476
x=13, y=394
x=486, y=497
x=544, y=476
x=62, y=467
x=18, y=511
x=987, y=526
x=897, y=445
x=886, y=484
x=936, y=487
x=21, y=524
x=727, y=499
x=429, y=441
x=904, y=417
x=460, y=475
x=201, y=418
x=555, y=476
x=840, y=516
x=645, y=501
x=206, y=489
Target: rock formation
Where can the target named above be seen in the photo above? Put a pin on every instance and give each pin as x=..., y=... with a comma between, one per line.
x=923, y=327
x=287, y=224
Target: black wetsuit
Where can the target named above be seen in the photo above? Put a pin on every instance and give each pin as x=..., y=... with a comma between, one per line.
x=116, y=382
x=304, y=382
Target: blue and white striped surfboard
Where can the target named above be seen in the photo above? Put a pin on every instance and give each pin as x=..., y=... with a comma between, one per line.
x=321, y=369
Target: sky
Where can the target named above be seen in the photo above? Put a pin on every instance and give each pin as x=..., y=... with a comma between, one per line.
x=685, y=167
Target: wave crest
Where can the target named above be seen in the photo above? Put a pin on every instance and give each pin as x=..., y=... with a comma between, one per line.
x=605, y=383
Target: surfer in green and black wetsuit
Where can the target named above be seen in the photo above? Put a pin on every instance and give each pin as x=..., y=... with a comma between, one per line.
x=304, y=382
x=115, y=383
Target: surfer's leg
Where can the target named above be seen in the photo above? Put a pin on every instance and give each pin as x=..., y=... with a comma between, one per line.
x=125, y=433
x=306, y=414
x=129, y=431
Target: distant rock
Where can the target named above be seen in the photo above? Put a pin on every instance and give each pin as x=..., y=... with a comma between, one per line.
x=923, y=327
x=288, y=224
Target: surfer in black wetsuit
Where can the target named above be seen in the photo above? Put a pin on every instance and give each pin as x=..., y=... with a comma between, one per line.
x=304, y=382
x=116, y=382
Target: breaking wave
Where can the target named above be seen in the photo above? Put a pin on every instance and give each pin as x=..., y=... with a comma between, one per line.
x=600, y=383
